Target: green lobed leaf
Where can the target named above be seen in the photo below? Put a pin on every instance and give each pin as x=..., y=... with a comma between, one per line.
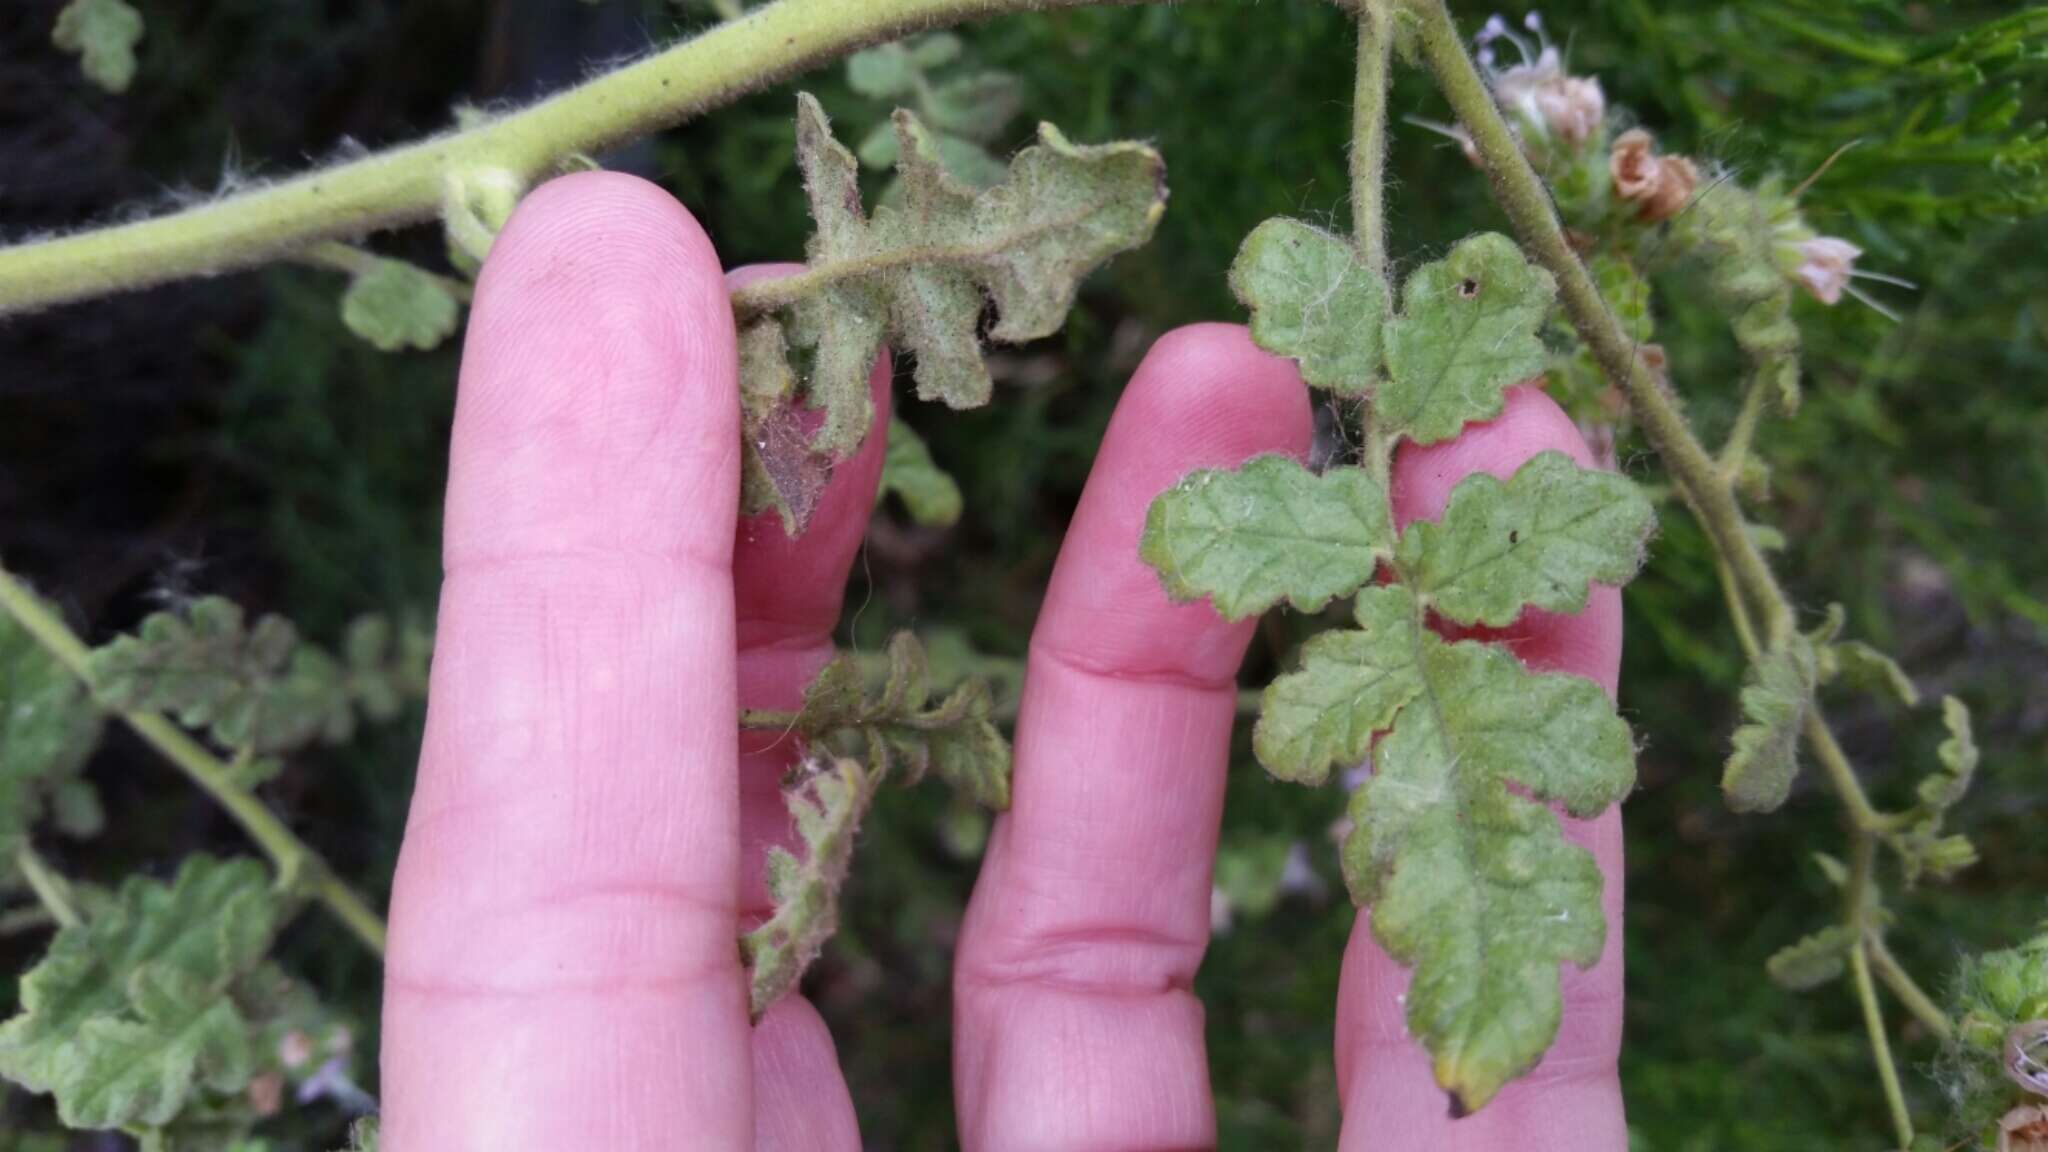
x=1865, y=669
x=1467, y=331
x=920, y=271
x=976, y=107
x=1775, y=698
x=103, y=35
x=258, y=688
x=395, y=305
x=130, y=1013
x=856, y=738
x=827, y=802
x=1312, y=299
x=49, y=726
x=1472, y=884
x=141, y=1070
x=1350, y=685
x=1813, y=961
x=1922, y=847
x=1268, y=531
x=882, y=72
x=1540, y=540
x=909, y=472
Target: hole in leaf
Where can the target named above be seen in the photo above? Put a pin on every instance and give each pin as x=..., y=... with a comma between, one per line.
x=1468, y=288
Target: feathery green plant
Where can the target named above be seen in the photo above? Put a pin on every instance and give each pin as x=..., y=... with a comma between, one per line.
x=157, y=1010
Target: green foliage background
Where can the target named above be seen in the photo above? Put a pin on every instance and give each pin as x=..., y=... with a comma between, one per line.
x=232, y=437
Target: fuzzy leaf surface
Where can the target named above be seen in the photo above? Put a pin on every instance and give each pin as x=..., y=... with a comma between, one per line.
x=919, y=272
x=779, y=470
x=1268, y=531
x=1471, y=884
x=48, y=728
x=103, y=35
x=1765, y=759
x=1539, y=539
x=1312, y=299
x=1350, y=685
x=1922, y=847
x=129, y=1013
x=1467, y=332
x=1813, y=961
x=257, y=687
x=858, y=734
x=827, y=802
x=1867, y=669
x=395, y=306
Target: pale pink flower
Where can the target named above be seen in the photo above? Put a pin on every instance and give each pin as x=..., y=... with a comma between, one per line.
x=1538, y=93
x=1825, y=265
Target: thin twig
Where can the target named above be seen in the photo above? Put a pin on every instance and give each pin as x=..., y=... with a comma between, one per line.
x=49, y=887
x=300, y=868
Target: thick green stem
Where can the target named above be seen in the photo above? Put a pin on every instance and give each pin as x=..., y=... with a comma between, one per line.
x=1369, y=133
x=299, y=866
x=407, y=184
x=49, y=887
x=1521, y=193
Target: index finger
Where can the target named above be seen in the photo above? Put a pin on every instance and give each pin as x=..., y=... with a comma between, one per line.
x=563, y=971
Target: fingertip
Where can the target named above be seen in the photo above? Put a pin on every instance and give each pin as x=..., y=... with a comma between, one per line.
x=1204, y=397
x=597, y=407
x=1530, y=423
x=1206, y=391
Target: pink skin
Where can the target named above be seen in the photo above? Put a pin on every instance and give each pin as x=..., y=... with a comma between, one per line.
x=586, y=834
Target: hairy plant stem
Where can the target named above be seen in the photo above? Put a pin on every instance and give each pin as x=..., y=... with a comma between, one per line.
x=1857, y=910
x=339, y=257
x=1755, y=596
x=300, y=868
x=1910, y=994
x=49, y=887
x=1369, y=133
x=409, y=183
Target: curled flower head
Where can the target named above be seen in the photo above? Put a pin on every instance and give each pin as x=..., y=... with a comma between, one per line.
x=1825, y=265
x=2026, y=1056
x=1659, y=186
x=1538, y=94
x=2024, y=1129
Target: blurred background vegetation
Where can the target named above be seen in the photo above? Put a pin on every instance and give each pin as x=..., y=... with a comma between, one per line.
x=230, y=436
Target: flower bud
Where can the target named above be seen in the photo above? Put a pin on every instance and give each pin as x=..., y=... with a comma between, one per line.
x=1660, y=186
x=1825, y=264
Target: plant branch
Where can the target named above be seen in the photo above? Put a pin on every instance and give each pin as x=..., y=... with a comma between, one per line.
x=49, y=887
x=1909, y=992
x=299, y=866
x=408, y=184
x=1880, y=1046
x=1521, y=193
x=1369, y=133
x=1857, y=897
